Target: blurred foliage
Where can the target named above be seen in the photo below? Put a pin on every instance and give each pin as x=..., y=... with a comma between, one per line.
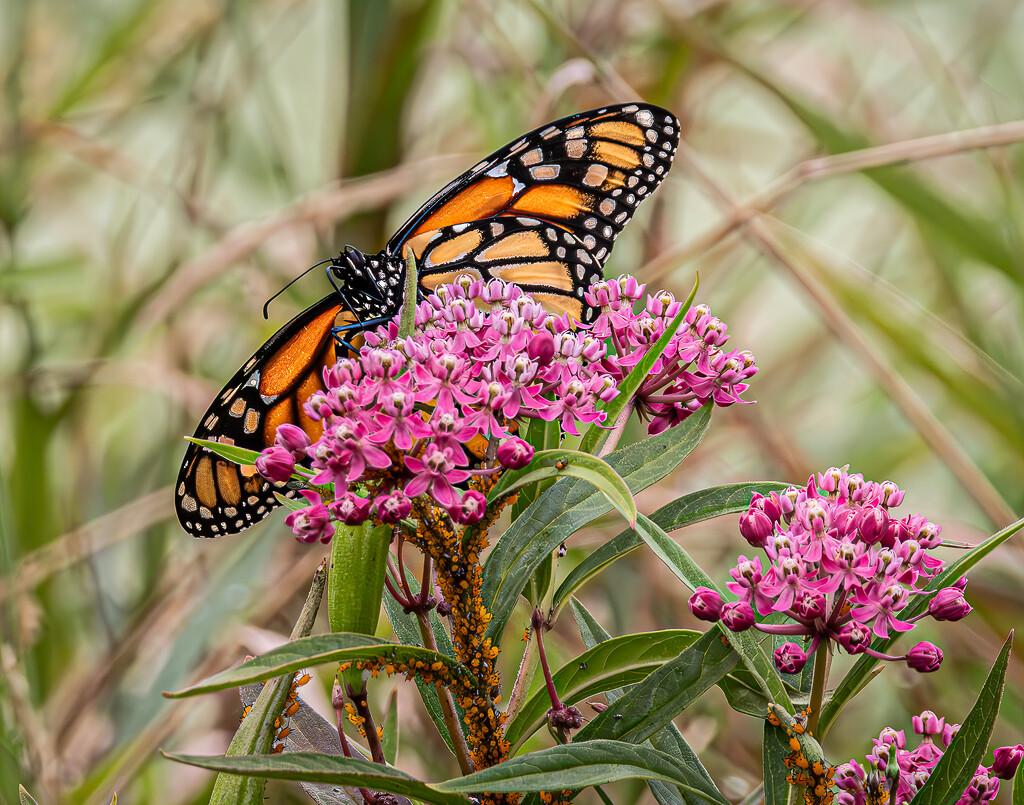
x=165, y=167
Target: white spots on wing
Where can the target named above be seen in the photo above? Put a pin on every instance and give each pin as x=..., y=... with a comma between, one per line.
x=544, y=172
x=632, y=108
x=607, y=231
x=532, y=157
x=575, y=148
x=606, y=206
x=590, y=223
x=595, y=175
x=648, y=160
x=590, y=242
x=497, y=229
x=575, y=133
x=584, y=256
x=560, y=252
x=651, y=135
x=499, y=171
x=643, y=117
x=550, y=132
x=602, y=253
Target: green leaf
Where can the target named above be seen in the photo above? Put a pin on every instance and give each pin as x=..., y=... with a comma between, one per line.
x=866, y=666
x=572, y=766
x=389, y=742
x=628, y=388
x=315, y=650
x=584, y=466
x=239, y=455
x=568, y=506
x=774, y=751
x=687, y=571
x=611, y=664
x=315, y=767
x=25, y=798
x=669, y=739
x=665, y=693
x=691, y=508
x=952, y=774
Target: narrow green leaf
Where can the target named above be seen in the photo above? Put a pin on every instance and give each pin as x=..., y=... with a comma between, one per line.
x=952, y=774
x=408, y=318
x=389, y=742
x=239, y=455
x=25, y=798
x=571, y=766
x=315, y=767
x=774, y=751
x=664, y=694
x=669, y=739
x=865, y=666
x=315, y=650
x=584, y=466
x=568, y=506
x=596, y=436
x=691, y=508
x=611, y=664
x=689, y=572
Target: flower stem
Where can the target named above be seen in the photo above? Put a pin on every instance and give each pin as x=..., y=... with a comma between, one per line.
x=448, y=711
x=818, y=680
x=372, y=738
x=617, y=429
x=527, y=667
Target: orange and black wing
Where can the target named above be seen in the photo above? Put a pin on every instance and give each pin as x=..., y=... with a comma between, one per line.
x=584, y=174
x=214, y=496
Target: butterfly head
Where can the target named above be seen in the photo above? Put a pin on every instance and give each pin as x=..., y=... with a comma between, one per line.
x=363, y=283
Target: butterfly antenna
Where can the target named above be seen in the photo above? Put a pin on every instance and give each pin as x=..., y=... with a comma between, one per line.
x=266, y=305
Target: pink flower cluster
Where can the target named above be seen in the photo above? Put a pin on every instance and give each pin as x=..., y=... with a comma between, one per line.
x=692, y=370
x=916, y=765
x=839, y=565
x=398, y=417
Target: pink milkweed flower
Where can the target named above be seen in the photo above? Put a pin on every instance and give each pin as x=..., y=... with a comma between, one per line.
x=392, y=508
x=435, y=474
x=275, y=464
x=470, y=510
x=313, y=522
x=350, y=509
x=705, y=604
x=925, y=657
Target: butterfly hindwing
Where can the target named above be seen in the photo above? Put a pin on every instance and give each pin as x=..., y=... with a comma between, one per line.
x=585, y=173
x=545, y=260
x=214, y=496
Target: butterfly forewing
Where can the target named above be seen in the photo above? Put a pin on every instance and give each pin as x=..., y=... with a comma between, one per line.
x=586, y=173
x=215, y=496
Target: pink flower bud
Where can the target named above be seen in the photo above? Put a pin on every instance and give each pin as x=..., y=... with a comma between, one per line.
x=925, y=657
x=790, y=658
x=928, y=724
x=470, y=510
x=949, y=604
x=872, y=524
x=312, y=523
x=737, y=616
x=1007, y=759
x=293, y=439
x=755, y=527
x=810, y=606
x=706, y=604
x=514, y=454
x=541, y=348
x=275, y=464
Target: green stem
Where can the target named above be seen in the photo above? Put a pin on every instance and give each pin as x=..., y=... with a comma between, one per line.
x=818, y=680
x=448, y=712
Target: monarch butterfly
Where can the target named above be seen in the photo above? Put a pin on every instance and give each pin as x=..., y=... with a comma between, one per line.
x=542, y=212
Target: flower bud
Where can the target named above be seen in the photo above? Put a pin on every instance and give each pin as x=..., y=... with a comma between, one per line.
x=755, y=527
x=925, y=657
x=949, y=604
x=928, y=724
x=810, y=606
x=565, y=717
x=706, y=604
x=514, y=454
x=737, y=616
x=790, y=658
x=312, y=523
x=872, y=524
x=275, y=464
x=1007, y=759
x=541, y=348
x=293, y=439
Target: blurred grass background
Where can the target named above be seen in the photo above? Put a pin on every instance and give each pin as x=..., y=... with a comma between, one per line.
x=850, y=191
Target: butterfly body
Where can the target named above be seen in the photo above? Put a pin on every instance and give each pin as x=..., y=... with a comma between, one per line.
x=542, y=212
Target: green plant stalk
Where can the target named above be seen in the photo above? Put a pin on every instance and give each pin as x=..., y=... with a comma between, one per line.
x=355, y=585
x=818, y=680
x=450, y=715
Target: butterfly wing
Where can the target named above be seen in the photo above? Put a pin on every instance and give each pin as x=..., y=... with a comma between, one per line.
x=585, y=174
x=214, y=496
